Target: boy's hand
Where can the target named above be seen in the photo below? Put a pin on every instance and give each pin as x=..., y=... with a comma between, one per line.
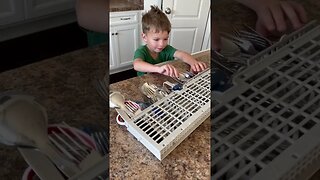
x=198, y=66
x=168, y=70
x=274, y=14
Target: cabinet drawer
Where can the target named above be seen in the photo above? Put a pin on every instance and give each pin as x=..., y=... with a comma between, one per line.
x=118, y=18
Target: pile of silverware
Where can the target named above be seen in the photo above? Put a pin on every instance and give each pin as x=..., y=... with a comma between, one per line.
x=237, y=49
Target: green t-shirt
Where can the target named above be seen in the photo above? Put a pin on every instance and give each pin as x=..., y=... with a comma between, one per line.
x=165, y=55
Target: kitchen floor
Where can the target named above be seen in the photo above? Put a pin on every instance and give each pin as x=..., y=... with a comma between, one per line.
x=41, y=45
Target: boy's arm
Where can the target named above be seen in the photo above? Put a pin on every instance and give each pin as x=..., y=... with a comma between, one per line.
x=167, y=69
x=142, y=66
x=196, y=66
x=272, y=14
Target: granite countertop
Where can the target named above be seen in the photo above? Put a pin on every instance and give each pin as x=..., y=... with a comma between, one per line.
x=64, y=86
x=125, y=5
x=229, y=13
x=130, y=159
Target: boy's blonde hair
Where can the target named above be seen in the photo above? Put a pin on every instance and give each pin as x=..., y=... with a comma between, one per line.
x=155, y=19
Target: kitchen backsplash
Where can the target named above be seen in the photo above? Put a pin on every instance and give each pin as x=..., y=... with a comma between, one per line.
x=126, y=5
x=137, y=2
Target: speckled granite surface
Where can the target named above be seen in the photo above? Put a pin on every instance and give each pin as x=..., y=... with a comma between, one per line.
x=129, y=159
x=125, y=5
x=229, y=13
x=64, y=85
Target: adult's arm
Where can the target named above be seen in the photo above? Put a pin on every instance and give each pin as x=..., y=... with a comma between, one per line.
x=93, y=15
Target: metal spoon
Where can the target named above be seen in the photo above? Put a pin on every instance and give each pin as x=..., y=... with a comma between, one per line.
x=117, y=100
x=23, y=123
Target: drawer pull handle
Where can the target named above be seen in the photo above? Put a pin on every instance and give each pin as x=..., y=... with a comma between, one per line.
x=127, y=18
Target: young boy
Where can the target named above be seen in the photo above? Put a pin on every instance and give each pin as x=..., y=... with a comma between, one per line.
x=155, y=33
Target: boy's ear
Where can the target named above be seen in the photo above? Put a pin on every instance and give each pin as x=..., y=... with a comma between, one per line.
x=144, y=37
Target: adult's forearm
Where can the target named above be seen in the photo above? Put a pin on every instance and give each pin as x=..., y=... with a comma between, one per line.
x=93, y=15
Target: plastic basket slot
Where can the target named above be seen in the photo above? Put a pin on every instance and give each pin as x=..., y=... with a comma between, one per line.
x=313, y=105
x=296, y=135
x=275, y=152
x=306, y=98
x=264, y=146
x=253, y=139
x=315, y=58
x=295, y=93
x=244, y=133
x=287, y=113
x=237, y=167
x=223, y=163
x=312, y=51
x=219, y=121
x=235, y=102
x=256, y=76
x=228, y=130
x=302, y=48
x=299, y=70
x=237, y=138
x=308, y=125
x=220, y=150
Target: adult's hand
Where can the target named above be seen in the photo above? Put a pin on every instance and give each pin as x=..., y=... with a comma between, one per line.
x=275, y=16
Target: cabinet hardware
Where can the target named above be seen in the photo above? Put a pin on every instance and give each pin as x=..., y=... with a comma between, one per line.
x=168, y=11
x=126, y=18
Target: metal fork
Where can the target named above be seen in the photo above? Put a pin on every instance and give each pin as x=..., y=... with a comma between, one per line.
x=101, y=140
x=231, y=65
x=258, y=41
x=101, y=87
x=132, y=107
x=245, y=45
x=75, y=148
x=152, y=92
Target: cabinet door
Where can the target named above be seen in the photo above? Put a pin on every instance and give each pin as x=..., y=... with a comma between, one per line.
x=36, y=8
x=207, y=36
x=112, y=53
x=125, y=43
x=188, y=21
x=11, y=11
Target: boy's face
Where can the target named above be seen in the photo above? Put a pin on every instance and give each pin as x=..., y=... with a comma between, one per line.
x=156, y=41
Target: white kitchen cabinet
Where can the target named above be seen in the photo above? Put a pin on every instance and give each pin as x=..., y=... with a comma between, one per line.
x=124, y=39
x=36, y=8
x=22, y=17
x=11, y=11
x=206, y=44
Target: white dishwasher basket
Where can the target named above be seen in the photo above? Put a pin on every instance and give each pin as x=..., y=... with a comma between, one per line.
x=165, y=124
x=267, y=126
